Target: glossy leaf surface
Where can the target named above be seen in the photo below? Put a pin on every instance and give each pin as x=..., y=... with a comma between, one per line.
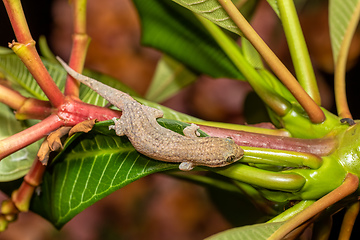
x=90, y=167
x=176, y=31
x=253, y=232
x=17, y=164
x=340, y=14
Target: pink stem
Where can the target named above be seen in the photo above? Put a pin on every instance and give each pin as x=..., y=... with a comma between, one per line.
x=75, y=111
x=320, y=147
x=11, y=98
x=30, y=135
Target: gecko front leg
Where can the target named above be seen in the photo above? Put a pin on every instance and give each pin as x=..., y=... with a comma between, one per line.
x=118, y=126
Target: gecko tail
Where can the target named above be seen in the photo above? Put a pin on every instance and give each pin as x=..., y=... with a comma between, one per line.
x=90, y=82
x=107, y=92
x=72, y=72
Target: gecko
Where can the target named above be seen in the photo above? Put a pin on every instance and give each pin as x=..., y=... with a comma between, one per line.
x=138, y=123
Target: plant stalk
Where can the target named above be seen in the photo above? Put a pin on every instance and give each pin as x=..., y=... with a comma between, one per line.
x=277, y=103
x=34, y=109
x=349, y=221
x=289, y=182
x=25, y=49
x=79, y=48
x=319, y=147
x=280, y=158
x=298, y=49
x=314, y=112
x=349, y=186
x=11, y=98
x=30, y=135
x=22, y=196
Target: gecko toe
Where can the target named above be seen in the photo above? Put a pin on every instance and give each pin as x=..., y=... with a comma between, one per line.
x=186, y=166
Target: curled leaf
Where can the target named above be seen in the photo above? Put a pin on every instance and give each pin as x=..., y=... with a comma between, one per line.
x=84, y=127
x=52, y=143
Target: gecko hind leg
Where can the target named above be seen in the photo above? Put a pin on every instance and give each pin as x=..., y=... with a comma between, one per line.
x=186, y=166
x=191, y=131
x=118, y=127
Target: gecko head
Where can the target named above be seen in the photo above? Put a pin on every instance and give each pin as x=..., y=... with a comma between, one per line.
x=234, y=152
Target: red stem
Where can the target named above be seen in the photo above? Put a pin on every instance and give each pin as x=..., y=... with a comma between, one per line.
x=34, y=109
x=35, y=174
x=30, y=135
x=320, y=147
x=18, y=20
x=77, y=60
x=22, y=196
x=29, y=56
x=25, y=49
x=11, y=98
x=75, y=111
x=80, y=44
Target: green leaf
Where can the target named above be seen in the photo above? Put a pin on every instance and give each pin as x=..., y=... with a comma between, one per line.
x=90, y=167
x=16, y=72
x=254, y=232
x=341, y=13
x=170, y=77
x=250, y=54
x=212, y=10
x=176, y=31
x=4, y=50
x=17, y=164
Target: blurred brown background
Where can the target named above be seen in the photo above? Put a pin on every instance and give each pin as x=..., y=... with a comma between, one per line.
x=160, y=207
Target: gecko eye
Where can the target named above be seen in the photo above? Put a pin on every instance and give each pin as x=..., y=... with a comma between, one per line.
x=230, y=158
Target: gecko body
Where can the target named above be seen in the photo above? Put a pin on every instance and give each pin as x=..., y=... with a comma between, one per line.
x=138, y=123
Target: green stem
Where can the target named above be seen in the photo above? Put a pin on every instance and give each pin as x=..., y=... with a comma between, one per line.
x=262, y=178
x=280, y=158
x=349, y=186
x=278, y=104
x=314, y=112
x=291, y=212
x=298, y=49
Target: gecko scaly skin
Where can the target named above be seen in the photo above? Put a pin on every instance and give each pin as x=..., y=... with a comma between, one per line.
x=138, y=123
